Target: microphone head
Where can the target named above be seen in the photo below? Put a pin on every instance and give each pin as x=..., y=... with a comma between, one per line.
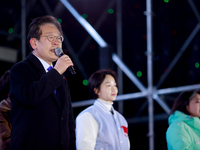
x=58, y=51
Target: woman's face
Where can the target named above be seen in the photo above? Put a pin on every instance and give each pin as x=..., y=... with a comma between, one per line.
x=108, y=89
x=194, y=106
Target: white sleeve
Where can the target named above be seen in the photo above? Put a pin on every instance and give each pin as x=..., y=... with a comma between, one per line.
x=86, y=132
x=129, y=145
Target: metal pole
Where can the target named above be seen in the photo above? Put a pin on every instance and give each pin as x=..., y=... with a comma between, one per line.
x=96, y=27
x=195, y=10
x=178, y=55
x=119, y=52
x=85, y=24
x=150, y=74
x=23, y=28
x=128, y=72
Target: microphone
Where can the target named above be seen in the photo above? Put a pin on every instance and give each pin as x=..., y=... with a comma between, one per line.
x=59, y=53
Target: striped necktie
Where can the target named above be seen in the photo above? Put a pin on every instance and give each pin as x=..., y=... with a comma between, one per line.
x=49, y=68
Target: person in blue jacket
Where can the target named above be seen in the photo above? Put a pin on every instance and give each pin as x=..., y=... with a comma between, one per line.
x=100, y=126
x=183, y=132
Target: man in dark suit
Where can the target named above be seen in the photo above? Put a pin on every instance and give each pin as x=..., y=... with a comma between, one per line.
x=41, y=111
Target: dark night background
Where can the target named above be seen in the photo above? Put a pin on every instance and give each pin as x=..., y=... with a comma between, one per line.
x=173, y=22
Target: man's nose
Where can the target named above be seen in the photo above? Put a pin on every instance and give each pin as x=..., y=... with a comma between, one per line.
x=55, y=41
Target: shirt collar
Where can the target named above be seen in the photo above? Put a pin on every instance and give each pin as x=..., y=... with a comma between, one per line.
x=107, y=104
x=44, y=63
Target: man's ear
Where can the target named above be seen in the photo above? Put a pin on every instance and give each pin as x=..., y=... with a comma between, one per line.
x=33, y=43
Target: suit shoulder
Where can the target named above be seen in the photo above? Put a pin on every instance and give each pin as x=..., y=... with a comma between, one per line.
x=20, y=64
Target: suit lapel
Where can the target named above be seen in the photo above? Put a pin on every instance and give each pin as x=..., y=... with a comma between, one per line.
x=37, y=65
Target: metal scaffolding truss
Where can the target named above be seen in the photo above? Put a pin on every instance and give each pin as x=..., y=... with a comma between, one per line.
x=151, y=92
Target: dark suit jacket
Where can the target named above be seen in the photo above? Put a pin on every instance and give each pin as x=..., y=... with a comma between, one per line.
x=39, y=121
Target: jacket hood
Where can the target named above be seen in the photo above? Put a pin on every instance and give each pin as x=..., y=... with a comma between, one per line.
x=179, y=116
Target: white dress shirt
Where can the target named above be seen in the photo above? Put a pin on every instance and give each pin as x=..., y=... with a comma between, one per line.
x=44, y=63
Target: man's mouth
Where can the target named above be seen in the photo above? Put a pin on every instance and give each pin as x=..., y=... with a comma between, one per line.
x=53, y=51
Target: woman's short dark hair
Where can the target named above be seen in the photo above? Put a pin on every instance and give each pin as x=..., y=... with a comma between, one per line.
x=34, y=27
x=4, y=85
x=183, y=100
x=97, y=78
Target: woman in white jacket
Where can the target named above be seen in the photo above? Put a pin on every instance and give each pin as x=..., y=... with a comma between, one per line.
x=100, y=126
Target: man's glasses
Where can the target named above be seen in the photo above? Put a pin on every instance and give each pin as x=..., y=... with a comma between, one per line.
x=51, y=37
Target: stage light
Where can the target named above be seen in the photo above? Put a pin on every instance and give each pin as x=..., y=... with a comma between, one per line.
x=139, y=73
x=85, y=82
x=84, y=16
x=166, y=1
x=110, y=11
x=10, y=30
x=59, y=20
x=197, y=65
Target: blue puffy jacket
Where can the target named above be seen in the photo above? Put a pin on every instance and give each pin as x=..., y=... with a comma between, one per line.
x=183, y=132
